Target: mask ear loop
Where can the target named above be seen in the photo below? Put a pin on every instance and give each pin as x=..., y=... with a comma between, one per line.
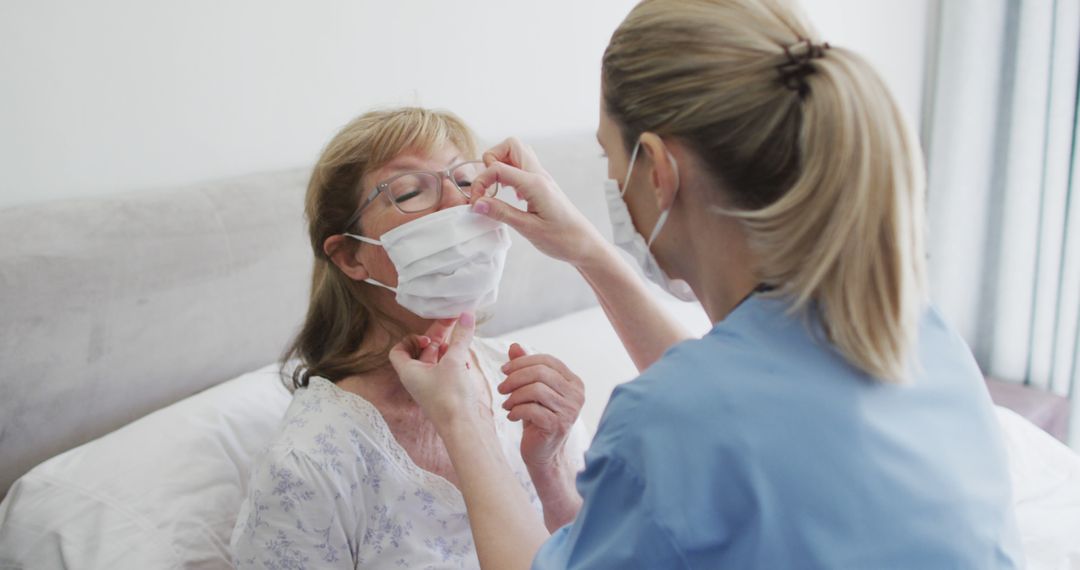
x=674, y=166
x=363, y=239
x=630, y=168
x=664, y=215
x=372, y=242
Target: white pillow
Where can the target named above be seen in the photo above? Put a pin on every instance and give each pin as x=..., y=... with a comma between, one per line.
x=161, y=492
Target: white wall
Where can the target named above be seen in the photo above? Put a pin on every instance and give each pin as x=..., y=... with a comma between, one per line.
x=113, y=95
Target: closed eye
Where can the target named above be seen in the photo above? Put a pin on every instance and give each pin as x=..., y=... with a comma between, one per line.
x=407, y=196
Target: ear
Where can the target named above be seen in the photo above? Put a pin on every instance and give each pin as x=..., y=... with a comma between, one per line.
x=345, y=257
x=664, y=176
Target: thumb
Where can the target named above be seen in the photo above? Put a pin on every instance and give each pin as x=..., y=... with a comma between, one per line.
x=516, y=351
x=400, y=357
x=461, y=338
x=503, y=212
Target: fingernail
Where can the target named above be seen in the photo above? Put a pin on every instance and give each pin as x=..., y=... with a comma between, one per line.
x=505, y=367
x=482, y=207
x=467, y=319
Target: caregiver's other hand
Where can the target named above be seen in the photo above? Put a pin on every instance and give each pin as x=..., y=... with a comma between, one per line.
x=551, y=222
x=439, y=376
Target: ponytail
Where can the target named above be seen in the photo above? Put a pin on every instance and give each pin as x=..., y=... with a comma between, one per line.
x=808, y=148
x=847, y=235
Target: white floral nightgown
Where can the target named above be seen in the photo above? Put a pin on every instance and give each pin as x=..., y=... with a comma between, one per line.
x=336, y=490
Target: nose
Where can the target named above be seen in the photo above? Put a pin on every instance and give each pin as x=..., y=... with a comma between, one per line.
x=451, y=196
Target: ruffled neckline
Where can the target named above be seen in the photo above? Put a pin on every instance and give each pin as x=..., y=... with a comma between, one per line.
x=438, y=485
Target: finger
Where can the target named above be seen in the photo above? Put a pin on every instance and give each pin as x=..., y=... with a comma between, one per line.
x=415, y=343
x=514, y=152
x=538, y=393
x=461, y=338
x=439, y=330
x=430, y=353
x=400, y=356
x=532, y=374
x=503, y=212
x=525, y=183
x=534, y=359
x=540, y=416
x=516, y=351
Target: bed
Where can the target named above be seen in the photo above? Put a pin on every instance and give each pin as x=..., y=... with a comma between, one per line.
x=140, y=335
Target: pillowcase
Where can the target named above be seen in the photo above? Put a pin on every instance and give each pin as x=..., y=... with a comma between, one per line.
x=160, y=492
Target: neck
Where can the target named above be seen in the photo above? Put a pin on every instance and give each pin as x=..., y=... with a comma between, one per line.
x=720, y=265
x=383, y=384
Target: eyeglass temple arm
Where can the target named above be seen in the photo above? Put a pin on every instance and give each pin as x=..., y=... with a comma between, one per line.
x=356, y=216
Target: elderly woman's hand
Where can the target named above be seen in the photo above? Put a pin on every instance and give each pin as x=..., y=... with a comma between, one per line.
x=551, y=222
x=439, y=376
x=546, y=397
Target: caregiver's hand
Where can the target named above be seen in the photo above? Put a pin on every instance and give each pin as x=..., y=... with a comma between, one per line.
x=551, y=222
x=440, y=379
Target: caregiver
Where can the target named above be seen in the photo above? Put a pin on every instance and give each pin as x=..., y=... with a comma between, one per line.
x=831, y=418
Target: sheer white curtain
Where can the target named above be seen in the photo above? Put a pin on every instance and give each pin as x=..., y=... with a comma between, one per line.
x=1000, y=132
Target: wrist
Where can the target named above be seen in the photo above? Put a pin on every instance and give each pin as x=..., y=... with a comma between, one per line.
x=558, y=468
x=553, y=480
x=458, y=425
x=596, y=255
x=554, y=484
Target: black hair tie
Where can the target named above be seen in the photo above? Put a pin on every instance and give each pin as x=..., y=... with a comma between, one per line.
x=797, y=68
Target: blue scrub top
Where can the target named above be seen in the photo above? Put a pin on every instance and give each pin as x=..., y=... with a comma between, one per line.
x=759, y=446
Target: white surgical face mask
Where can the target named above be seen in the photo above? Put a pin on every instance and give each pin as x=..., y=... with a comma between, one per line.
x=630, y=241
x=448, y=262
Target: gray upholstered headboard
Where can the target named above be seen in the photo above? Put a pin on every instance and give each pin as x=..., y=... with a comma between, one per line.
x=113, y=307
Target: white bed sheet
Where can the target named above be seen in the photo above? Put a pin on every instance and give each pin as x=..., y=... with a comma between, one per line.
x=162, y=492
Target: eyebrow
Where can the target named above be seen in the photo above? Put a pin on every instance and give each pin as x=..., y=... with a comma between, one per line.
x=404, y=169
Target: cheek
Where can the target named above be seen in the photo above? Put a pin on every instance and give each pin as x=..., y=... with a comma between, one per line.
x=378, y=264
x=643, y=213
x=374, y=258
x=613, y=173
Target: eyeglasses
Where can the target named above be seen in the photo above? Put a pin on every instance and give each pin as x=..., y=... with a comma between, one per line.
x=413, y=192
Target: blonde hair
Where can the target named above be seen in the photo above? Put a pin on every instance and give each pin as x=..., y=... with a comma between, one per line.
x=824, y=173
x=340, y=314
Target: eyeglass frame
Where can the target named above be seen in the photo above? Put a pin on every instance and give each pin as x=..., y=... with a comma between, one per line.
x=381, y=188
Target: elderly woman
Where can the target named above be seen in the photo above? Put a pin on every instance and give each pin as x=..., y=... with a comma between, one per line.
x=357, y=475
